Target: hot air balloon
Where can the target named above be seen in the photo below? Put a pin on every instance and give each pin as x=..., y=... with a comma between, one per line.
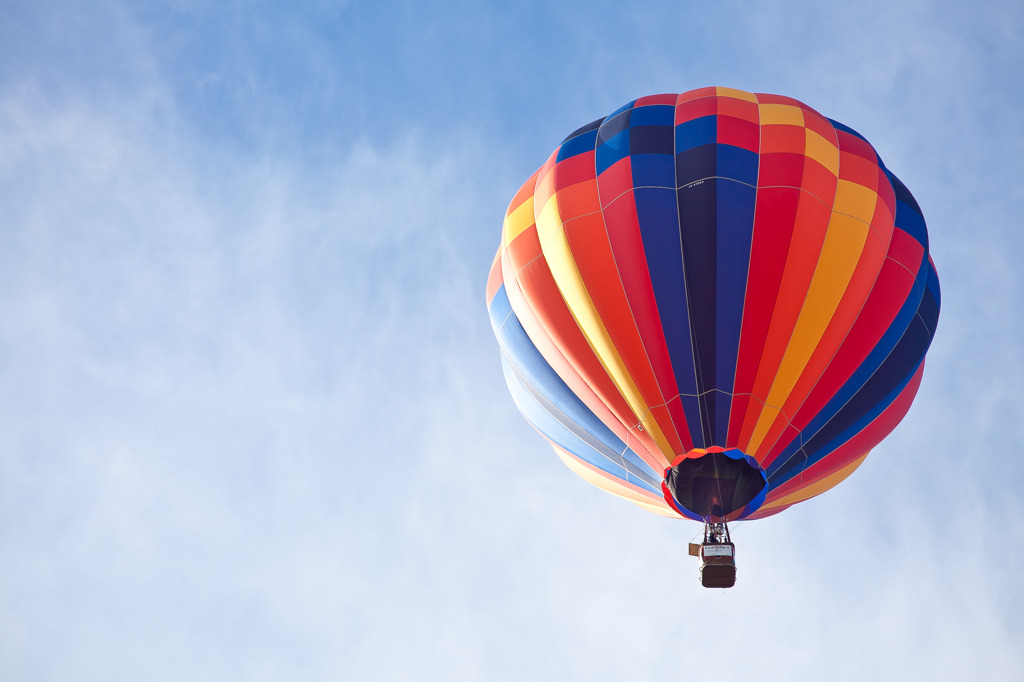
x=713, y=304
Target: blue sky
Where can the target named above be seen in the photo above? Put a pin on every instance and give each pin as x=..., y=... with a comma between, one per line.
x=252, y=419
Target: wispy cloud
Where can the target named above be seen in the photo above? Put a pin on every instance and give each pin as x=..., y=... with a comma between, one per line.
x=252, y=420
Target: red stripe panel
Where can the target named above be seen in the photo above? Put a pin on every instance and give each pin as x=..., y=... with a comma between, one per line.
x=667, y=98
x=774, y=217
x=738, y=108
x=615, y=181
x=781, y=169
x=819, y=182
x=906, y=250
x=692, y=105
x=887, y=194
x=858, y=169
x=628, y=251
x=738, y=132
x=809, y=231
x=777, y=138
x=766, y=98
x=820, y=125
x=588, y=242
x=855, y=145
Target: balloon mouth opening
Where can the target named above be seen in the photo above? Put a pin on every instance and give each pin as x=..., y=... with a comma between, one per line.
x=715, y=484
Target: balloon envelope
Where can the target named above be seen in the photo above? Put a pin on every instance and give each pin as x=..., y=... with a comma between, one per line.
x=713, y=304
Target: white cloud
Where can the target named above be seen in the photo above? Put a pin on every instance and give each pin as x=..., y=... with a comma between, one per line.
x=252, y=425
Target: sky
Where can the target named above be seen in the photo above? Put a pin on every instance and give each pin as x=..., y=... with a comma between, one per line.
x=252, y=418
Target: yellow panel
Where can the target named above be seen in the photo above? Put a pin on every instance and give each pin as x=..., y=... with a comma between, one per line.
x=855, y=200
x=518, y=220
x=822, y=151
x=664, y=510
x=781, y=114
x=734, y=93
x=615, y=486
x=840, y=254
x=821, y=486
x=555, y=246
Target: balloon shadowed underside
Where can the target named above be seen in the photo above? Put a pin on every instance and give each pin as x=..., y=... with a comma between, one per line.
x=713, y=304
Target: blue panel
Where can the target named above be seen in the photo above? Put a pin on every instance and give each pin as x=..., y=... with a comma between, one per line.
x=548, y=425
x=723, y=406
x=643, y=483
x=612, y=126
x=577, y=145
x=911, y=222
x=499, y=309
x=593, y=125
x=654, y=170
x=638, y=467
x=548, y=390
x=696, y=133
x=547, y=386
x=553, y=424
x=908, y=213
x=737, y=163
x=653, y=115
x=735, y=226
x=611, y=150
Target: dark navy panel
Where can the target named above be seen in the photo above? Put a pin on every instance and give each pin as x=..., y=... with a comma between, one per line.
x=696, y=164
x=656, y=210
x=698, y=231
x=578, y=145
x=930, y=303
x=715, y=484
x=650, y=140
x=735, y=204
